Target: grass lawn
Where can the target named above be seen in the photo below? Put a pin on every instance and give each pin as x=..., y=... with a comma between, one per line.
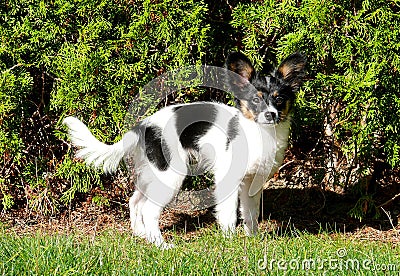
x=206, y=253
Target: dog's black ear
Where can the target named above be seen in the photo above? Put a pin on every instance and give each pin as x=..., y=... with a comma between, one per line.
x=292, y=70
x=241, y=65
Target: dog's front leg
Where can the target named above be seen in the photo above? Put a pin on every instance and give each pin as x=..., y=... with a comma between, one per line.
x=250, y=207
x=225, y=213
x=226, y=196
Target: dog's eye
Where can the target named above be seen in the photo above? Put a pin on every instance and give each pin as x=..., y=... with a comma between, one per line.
x=279, y=100
x=256, y=100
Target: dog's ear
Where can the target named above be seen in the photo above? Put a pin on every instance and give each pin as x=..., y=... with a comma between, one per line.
x=292, y=70
x=241, y=65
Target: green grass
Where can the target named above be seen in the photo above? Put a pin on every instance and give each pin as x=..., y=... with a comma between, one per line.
x=208, y=253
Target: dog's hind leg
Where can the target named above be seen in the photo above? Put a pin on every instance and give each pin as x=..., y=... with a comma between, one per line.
x=151, y=214
x=159, y=193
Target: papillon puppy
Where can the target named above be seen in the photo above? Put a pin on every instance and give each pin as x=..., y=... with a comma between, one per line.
x=242, y=146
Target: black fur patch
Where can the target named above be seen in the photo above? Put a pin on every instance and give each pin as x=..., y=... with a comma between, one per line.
x=233, y=129
x=156, y=150
x=193, y=121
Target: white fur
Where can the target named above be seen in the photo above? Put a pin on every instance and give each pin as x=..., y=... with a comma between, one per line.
x=239, y=170
x=95, y=152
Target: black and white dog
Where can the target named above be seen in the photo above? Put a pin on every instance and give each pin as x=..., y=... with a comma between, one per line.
x=243, y=147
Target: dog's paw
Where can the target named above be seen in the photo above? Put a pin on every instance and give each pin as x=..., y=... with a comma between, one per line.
x=250, y=231
x=228, y=232
x=166, y=246
x=139, y=232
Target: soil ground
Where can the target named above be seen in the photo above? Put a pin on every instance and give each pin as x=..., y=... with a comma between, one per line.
x=283, y=209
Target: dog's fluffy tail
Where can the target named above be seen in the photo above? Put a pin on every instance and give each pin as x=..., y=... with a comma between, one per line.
x=93, y=151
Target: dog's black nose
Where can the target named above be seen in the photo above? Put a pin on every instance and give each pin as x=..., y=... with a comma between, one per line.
x=270, y=116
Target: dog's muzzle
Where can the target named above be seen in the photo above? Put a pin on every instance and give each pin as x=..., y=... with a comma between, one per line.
x=267, y=117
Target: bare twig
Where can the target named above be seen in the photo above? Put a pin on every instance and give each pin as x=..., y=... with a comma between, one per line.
x=13, y=67
x=287, y=163
x=390, y=200
x=95, y=232
x=390, y=219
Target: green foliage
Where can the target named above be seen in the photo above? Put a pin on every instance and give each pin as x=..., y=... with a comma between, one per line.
x=80, y=177
x=90, y=58
x=83, y=58
x=100, y=200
